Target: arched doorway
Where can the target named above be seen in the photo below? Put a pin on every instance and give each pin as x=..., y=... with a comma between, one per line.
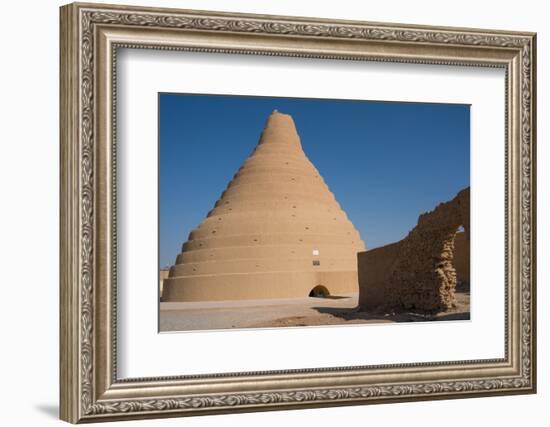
x=319, y=291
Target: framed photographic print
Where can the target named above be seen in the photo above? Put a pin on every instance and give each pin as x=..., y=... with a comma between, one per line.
x=265, y=212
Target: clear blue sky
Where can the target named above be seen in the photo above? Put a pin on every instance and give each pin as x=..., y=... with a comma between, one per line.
x=386, y=162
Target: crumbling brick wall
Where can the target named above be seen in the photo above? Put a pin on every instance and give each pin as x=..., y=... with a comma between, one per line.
x=421, y=275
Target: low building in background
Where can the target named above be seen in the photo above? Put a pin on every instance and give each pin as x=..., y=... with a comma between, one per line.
x=461, y=259
x=164, y=273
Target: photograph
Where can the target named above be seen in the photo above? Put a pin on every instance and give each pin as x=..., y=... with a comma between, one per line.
x=293, y=212
x=288, y=208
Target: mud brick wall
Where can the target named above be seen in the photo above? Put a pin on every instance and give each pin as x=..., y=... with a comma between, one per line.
x=417, y=273
x=461, y=259
x=373, y=267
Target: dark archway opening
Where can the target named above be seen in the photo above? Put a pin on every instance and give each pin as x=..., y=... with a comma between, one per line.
x=319, y=291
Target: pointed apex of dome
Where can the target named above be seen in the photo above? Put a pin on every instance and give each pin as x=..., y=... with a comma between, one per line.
x=279, y=114
x=280, y=129
x=276, y=113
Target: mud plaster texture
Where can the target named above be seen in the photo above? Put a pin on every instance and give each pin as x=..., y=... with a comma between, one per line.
x=417, y=273
x=277, y=231
x=461, y=259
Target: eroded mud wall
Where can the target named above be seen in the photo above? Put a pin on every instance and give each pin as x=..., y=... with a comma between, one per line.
x=418, y=272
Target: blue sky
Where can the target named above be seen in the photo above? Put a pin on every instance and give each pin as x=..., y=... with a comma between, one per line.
x=386, y=162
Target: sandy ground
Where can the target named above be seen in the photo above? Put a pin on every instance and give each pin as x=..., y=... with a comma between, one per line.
x=292, y=312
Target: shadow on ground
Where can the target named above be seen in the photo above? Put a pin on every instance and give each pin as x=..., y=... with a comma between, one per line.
x=461, y=312
x=349, y=314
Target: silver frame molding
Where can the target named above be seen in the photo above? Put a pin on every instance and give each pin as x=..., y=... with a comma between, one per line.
x=90, y=37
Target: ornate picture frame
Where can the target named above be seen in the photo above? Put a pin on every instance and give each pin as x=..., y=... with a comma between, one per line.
x=90, y=37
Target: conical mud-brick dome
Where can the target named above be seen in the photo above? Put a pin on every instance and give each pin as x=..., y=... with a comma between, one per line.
x=276, y=232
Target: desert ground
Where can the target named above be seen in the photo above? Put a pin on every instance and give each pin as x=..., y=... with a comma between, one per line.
x=341, y=310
